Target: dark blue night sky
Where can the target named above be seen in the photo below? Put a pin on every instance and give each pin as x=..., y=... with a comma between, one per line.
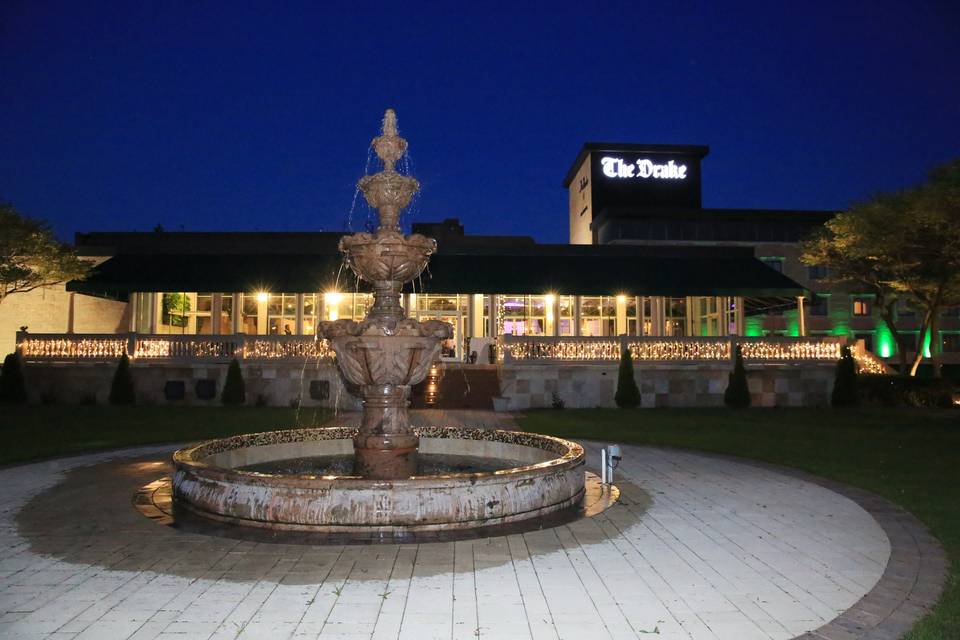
x=206, y=116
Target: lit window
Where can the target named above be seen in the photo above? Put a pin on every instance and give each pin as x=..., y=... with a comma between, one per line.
x=861, y=307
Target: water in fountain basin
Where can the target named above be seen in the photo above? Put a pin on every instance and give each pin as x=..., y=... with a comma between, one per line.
x=428, y=464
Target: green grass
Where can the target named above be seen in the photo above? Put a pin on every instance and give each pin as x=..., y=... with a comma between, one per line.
x=28, y=433
x=911, y=457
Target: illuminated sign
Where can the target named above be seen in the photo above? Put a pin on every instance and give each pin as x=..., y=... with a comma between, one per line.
x=643, y=168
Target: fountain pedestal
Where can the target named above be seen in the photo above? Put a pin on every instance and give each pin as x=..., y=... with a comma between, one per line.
x=385, y=446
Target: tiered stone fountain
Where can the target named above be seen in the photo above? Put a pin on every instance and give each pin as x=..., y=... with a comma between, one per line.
x=367, y=482
x=387, y=352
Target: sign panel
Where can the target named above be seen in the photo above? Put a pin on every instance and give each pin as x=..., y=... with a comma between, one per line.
x=640, y=179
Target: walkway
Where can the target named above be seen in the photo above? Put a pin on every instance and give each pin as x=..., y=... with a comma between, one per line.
x=699, y=547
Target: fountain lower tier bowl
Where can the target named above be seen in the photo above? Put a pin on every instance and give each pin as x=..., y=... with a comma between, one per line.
x=214, y=479
x=384, y=360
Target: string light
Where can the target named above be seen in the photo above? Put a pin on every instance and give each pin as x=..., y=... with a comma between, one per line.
x=519, y=348
x=669, y=350
x=221, y=348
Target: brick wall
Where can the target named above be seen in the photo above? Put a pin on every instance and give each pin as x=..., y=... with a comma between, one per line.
x=594, y=385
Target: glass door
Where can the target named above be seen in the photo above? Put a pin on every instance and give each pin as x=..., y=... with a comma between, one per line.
x=450, y=349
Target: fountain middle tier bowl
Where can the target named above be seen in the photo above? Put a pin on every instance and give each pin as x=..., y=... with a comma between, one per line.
x=536, y=475
x=387, y=255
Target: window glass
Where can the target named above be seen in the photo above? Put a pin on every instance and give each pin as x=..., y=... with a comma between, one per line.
x=282, y=314
x=675, y=316
x=598, y=316
x=861, y=307
x=249, y=322
x=309, y=314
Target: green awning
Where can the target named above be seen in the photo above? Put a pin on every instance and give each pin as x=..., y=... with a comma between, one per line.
x=559, y=269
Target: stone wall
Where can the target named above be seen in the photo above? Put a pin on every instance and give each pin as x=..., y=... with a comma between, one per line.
x=47, y=310
x=531, y=386
x=279, y=385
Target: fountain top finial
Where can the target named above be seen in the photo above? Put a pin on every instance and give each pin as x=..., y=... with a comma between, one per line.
x=390, y=123
x=389, y=146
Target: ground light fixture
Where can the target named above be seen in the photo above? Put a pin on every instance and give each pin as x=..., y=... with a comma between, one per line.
x=610, y=458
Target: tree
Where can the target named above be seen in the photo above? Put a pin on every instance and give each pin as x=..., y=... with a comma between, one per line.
x=30, y=257
x=737, y=394
x=901, y=245
x=13, y=387
x=845, y=383
x=627, y=395
x=121, y=388
x=846, y=246
x=234, y=389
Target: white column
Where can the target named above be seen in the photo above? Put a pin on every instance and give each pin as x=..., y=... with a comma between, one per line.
x=801, y=316
x=555, y=311
x=299, y=321
x=739, y=315
x=494, y=310
x=154, y=299
x=216, y=310
x=133, y=306
x=576, y=315
x=621, y=324
x=656, y=308
x=262, y=315
x=235, y=321
x=476, y=315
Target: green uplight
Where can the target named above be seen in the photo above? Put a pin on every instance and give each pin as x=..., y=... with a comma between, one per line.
x=926, y=345
x=793, y=323
x=886, y=345
x=753, y=326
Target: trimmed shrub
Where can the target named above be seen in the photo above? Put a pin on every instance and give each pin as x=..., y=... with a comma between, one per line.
x=627, y=395
x=737, y=395
x=845, y=385
x=13, y=384
x=121, y=388
x=904, y=391
x=234, y=389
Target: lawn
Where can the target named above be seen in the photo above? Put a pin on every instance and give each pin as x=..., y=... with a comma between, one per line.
x=911, y=457
x=28, y=433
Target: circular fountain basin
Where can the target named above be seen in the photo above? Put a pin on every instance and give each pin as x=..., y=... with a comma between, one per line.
x=540, y=475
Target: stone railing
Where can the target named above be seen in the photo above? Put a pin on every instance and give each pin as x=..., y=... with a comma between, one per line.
x=667, y=349
x=169, y=348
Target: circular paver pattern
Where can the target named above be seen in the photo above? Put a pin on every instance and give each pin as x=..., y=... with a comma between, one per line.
x=697, y=547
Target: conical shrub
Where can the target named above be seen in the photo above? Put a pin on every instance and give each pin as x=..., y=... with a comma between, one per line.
x=234, y=389
x=121, y=388
x=845, y=385
x=13, y=385
x=627, y=395
x=737, y=395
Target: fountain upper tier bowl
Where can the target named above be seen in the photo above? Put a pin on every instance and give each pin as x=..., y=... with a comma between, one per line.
x=387, y=255
x=546, y=476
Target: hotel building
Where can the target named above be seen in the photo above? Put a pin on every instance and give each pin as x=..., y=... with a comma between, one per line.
x=645, y=262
